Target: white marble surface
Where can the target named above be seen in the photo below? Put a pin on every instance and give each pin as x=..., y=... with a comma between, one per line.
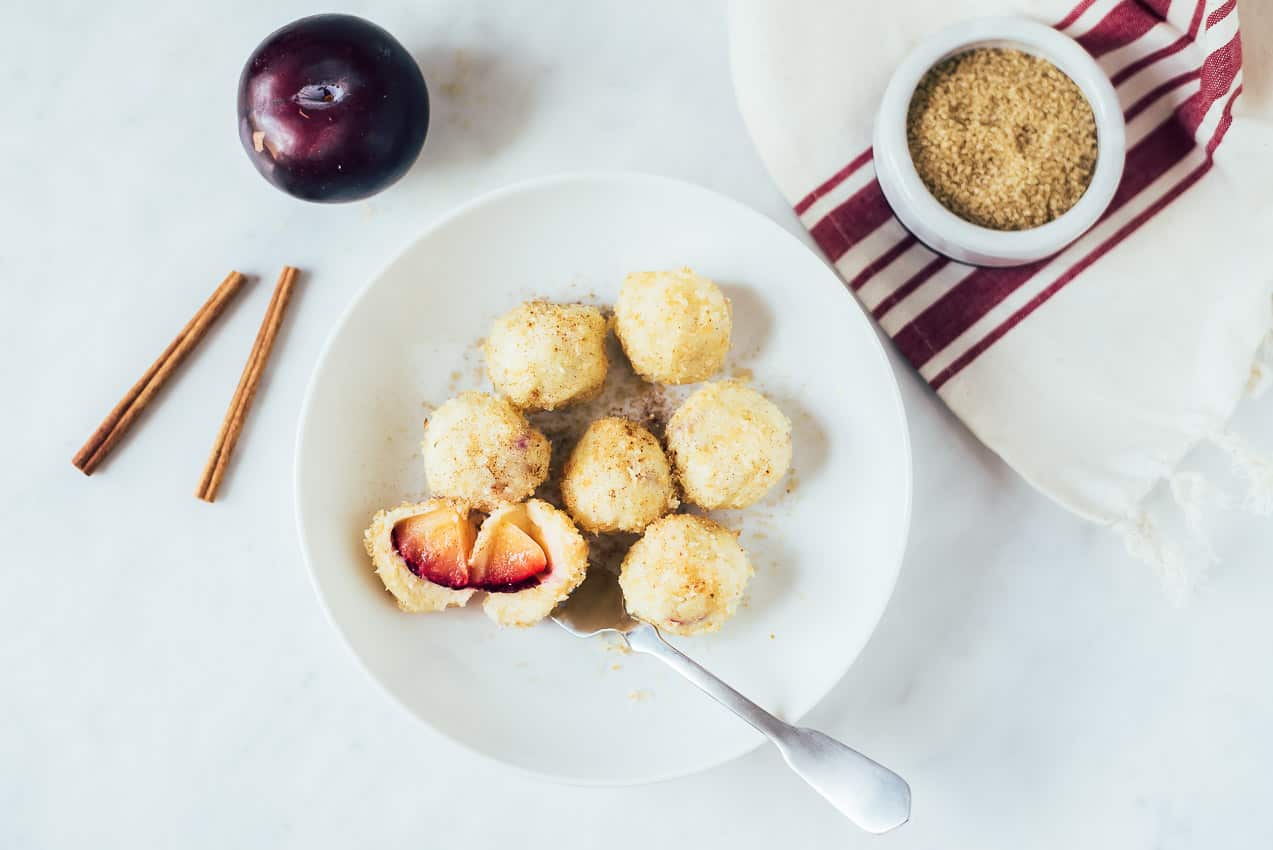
x=168, y=677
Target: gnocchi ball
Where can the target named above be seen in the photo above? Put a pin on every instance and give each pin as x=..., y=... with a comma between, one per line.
x=481, y=450
x=617, y=478
x=674, y=326
x=542, y=356
x=729, y=445
x=685, y=575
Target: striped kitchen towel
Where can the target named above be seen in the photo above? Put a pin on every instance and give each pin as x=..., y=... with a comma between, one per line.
x=1096, y=371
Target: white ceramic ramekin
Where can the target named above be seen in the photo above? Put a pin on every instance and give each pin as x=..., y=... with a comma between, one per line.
x=939, y=228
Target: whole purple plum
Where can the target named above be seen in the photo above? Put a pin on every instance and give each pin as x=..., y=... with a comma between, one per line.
x=332, y=108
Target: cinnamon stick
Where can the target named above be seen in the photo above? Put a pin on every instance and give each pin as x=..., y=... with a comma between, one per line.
x=249, y=381
x=236, y=400
x=125, y=413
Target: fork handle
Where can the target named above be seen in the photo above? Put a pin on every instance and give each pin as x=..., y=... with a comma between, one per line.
x=867, y=793
x=647, y=639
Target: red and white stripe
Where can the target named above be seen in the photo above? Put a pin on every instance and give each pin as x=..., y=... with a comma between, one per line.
x=1099, y=241
x=1084, y=17
x=847, y=182
x=1177, y=67
x=1149, y=117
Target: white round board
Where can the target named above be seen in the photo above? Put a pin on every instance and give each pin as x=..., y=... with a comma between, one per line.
x=826, y=543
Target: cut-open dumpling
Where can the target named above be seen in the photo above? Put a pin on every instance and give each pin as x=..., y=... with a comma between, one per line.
x=432, y=555
x=420, y=551
x=518, y=538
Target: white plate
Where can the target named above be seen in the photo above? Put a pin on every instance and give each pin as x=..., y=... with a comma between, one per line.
x=827, y=553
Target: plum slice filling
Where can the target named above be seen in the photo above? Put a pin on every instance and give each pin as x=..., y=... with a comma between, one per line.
x=435, y=546
x=507, y=559
x=513, y=587
x=439, y=547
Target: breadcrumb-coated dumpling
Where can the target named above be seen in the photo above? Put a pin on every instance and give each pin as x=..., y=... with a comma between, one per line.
x=617, y=478
x=448, y=525
x=685, y=575
x=563, y=547
x=481, y=450
x=674, y=326
x=729, y=445
x=431, y=556
x=541, y=356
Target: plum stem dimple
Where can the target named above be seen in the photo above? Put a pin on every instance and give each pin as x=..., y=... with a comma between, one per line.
x=319, y=95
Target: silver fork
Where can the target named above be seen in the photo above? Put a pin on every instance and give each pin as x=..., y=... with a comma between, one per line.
x=867, y=793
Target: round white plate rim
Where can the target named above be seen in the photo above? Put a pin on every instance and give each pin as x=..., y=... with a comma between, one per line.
x=493, y=197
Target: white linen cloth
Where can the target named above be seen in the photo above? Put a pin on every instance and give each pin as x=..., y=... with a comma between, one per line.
x=1095, y=372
